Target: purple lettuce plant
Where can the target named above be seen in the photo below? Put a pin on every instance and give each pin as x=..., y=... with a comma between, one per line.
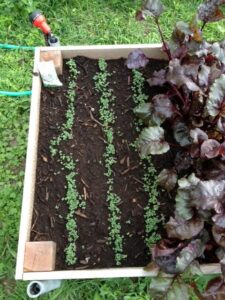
x=193, y=111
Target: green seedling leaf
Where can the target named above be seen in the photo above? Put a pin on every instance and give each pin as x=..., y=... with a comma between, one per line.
x=183, y=230
x=167, y=179
x=216, y=102
x=151, y=141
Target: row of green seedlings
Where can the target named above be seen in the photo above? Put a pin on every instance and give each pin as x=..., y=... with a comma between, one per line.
x=107, y=117
x=72, y=198
x=149, y=179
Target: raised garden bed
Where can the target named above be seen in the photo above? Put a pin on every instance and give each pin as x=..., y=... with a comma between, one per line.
x=112, y=187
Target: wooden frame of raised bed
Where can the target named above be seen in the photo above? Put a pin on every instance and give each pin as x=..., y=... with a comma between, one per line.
x=46, y=53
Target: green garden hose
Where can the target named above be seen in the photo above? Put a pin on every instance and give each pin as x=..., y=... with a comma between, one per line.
x=14, y=47
x=15, y=94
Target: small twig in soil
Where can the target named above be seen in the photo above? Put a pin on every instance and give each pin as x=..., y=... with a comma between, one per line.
x=35, y=221
x=93, y=118
x=125, y=171
x=128, y=98
x=128, y=162
x=101, y=241
x=101, y=138
x=123, y=160
x=85, y=193
x=128, y=148
x=84, y=183
x=136, y=256
x=47, y=195
x=80, y=214
x=52, y=221
x=139, y=205
x=139, y=181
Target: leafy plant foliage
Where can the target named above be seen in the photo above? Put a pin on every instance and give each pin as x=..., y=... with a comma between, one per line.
x=193, y=110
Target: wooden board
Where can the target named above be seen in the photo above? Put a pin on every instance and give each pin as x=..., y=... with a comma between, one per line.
x=95, y=52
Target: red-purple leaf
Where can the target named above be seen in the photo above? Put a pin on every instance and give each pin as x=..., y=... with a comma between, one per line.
x=136, y=59
x=158, y=78
x=222, y=149
x=140, y=16
x=176, y=76
x=193, y=250
x=153, y=8
x=162, y=106
x=183, y=197
x=219, y=220
x=209, y=195
x=203, y=75
x=167, y=179
x=152, y=141
x=181, y=134
x=216, y=101
x=219, y=235
x=182, y=161
x=221, y=125
x=210, y=148
x=165, y=254
x=198, y=135
x=183, y=230
x=209, y=11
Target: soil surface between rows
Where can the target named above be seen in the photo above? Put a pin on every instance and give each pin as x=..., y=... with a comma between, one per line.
x=87, y=147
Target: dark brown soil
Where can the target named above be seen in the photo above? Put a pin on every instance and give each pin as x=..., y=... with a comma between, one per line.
x=87, y=148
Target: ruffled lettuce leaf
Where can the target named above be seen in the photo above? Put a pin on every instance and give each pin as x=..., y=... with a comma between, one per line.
x=183, y=230
x=210, y=11
x=167, y=179
x=136, y=59
x=216, y=102
x=152, y=141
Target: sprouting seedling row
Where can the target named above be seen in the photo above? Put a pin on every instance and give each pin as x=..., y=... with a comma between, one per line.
x=107, y=118
x=72, y=198
x=151, y=215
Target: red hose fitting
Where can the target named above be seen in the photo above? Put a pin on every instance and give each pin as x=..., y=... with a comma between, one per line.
x=39, y=21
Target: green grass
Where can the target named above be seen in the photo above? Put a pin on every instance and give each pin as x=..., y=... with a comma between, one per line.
x=75, y=22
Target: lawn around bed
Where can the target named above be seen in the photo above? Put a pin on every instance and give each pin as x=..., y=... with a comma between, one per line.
x=75, y=22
